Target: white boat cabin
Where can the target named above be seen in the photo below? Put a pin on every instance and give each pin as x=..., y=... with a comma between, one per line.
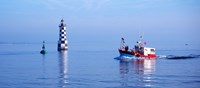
x=148, y=51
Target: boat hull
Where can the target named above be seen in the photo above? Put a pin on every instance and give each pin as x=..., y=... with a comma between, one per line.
x=134, y=54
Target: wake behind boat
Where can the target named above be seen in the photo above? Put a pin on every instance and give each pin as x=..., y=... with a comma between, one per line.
x=138, y=51
x=181, y=57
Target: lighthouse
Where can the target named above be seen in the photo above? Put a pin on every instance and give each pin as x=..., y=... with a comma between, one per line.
x=62, y=42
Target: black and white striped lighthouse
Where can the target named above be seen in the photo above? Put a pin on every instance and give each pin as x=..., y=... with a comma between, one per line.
x=62, y=42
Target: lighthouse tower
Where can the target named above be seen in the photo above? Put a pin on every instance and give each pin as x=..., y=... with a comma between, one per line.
x=62, y=42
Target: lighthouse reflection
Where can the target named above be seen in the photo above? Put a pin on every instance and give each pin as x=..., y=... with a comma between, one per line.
x=137, y=73
x=63, y=61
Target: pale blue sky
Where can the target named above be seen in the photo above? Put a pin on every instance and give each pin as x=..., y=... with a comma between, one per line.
x=101, y=20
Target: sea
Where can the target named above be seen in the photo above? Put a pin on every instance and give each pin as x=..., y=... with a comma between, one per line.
x=93, y=66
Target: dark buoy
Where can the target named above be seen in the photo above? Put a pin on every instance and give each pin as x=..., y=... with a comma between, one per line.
x=43, y=51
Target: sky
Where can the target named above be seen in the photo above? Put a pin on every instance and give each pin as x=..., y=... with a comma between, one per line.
x=160, y=22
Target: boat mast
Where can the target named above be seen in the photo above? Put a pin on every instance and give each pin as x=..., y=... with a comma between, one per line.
x=140, y=42
x=122, y=45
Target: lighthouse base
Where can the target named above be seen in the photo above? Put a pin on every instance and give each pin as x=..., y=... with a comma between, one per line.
x=62, y=47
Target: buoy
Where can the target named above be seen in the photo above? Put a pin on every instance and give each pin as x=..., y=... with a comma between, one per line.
x=43, y=51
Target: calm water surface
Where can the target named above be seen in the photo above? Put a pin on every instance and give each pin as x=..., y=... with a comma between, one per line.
x=21, y=65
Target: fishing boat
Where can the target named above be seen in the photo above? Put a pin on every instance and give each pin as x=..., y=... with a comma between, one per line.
x=139, y=50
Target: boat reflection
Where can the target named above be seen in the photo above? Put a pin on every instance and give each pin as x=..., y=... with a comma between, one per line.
x=137, y=72
x=63, y=61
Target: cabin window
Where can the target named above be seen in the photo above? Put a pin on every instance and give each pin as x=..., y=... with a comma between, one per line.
x=152, y=50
